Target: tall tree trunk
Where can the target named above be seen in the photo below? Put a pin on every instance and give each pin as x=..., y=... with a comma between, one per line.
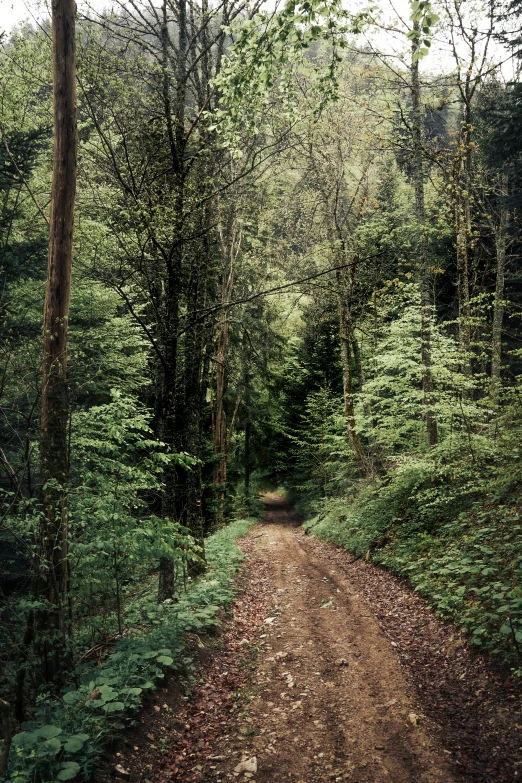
x=220, y=426
x=463, y=292
x=422, y=247
x=192, y=413
x=174, y=116
x=248, y=427
x=247, y=382
x=168, y=411
x=53, y=437
x=498, y=305
x=230, y=240
x=463, y=184
x=345, y=331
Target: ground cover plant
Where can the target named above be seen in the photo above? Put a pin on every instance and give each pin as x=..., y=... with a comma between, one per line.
x=243, y=247
x=67, y=732
x=459, y=544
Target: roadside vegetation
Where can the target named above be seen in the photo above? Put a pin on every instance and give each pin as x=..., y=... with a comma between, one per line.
x=242, y=248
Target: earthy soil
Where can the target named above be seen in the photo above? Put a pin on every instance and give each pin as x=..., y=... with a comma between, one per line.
x=328, y=670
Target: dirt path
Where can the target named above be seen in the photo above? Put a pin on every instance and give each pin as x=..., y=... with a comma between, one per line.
x=330, y=701
x=310, y=685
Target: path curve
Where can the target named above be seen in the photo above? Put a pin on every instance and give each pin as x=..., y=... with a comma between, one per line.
x=326, y=671
x=330, y=701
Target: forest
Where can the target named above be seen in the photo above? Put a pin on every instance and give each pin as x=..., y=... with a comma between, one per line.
x=247, y=247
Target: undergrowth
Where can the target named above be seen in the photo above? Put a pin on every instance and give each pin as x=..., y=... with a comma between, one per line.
x=453, y=531
x=66, y=735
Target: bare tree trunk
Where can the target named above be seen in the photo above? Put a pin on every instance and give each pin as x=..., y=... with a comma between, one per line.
x=8, y=731
x=422, y=247
x=174, y=116
x=345, y=330
x=471, y=69
x=53, y=438
x=463, y=185
x=168, y=409
x=462, y=228
x=220, y=428
x=194, y=342
x=247, y=456
x=498, y=305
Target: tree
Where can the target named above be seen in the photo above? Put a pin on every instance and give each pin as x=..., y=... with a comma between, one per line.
x=54, y=415
x=423, y=19
x=471, y=67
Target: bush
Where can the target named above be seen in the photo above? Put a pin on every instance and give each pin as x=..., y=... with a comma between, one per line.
x=66, y=735
x=454, y=530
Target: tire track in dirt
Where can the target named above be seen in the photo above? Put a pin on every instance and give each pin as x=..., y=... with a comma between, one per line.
x=320, y=677
x=329, y=700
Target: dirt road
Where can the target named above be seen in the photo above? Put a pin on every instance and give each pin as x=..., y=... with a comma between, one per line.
x=328, y=671
x=330, y=701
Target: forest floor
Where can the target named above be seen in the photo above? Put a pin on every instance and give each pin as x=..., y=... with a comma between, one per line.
x=329, y=669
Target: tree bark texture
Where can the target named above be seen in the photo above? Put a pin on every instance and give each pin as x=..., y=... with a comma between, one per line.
x=345, y=331
x=54, y=416
x=422, y=247
x=220, y=418
x=174, y=115
x=167, y=413
x=230, y=240
x=194, y=346
x=463, y=185
x=498, y=303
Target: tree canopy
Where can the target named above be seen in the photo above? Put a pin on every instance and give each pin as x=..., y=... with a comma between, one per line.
x=295, y=263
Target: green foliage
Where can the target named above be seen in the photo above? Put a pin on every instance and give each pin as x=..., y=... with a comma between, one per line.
x=198, y=189
x=451, y=528
x=66, y=736
x=267, y=52
x=321, y=452
x=393, y=389
x=423, y=13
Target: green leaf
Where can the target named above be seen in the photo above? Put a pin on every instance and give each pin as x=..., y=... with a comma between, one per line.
x=73, y=744
x=53, y=744
x=49, y=731
x=166, y=660
x=505, y=629
x=25, y=738
x=114, y=706
x=68, y=771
